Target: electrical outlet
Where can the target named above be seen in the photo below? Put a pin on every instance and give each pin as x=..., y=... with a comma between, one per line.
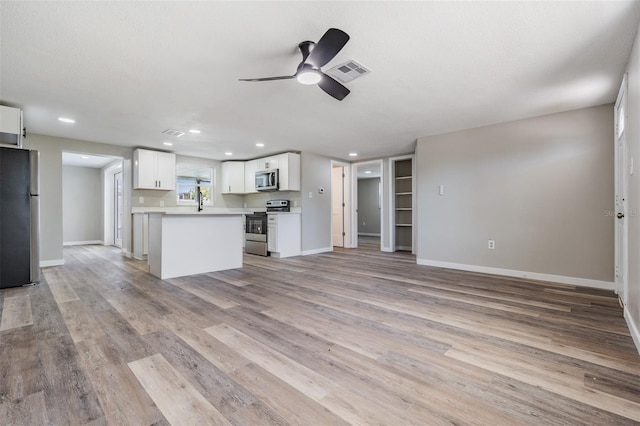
x=141, y=200
x=491, y=245
x=161, y=203
x=310, y=194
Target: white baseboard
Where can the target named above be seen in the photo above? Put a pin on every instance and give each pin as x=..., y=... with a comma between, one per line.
x=55, y=262
x=581, y=282
x=317, y=251
x=82, y=243
x=368, y=234
x=633, y=328
x=386, y=249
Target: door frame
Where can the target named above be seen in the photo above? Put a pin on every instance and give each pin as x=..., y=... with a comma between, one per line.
x=117, y=242
x=348, y=240
x=109, y=171
x=621, y=231
x=354, y=192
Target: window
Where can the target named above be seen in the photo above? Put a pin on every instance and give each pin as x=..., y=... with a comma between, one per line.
x=194, y=181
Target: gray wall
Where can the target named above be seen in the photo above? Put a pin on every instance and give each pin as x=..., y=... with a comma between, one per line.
x=82, y=215
x=51, y=148
x=633, y=189
x=539, y=187
x=369, y=206
x=316, y=211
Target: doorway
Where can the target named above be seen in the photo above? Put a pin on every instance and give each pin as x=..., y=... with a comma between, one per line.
x=621, y=227
x=368, y=209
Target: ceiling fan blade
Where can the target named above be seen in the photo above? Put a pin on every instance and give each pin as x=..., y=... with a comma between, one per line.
x=284, y=77
x=333, y=88
x=327, y=47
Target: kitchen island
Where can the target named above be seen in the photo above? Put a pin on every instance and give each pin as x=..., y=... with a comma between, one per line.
x=194, y=243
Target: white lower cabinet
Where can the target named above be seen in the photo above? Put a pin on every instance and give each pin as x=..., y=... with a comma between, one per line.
x=272, y=236
x=284, y=234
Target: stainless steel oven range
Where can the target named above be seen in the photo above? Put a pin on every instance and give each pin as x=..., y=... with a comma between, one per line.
x=255, y=234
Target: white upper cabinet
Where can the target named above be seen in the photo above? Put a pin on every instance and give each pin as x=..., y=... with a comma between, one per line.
x=239, y=177
x=250, y=169
x=289, y=171
x=268, y=163
x=233, y=177
x=154, y=170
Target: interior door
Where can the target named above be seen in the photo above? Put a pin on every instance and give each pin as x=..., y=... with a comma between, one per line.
x=117, y=203
x=621, y=228
x=337, y=206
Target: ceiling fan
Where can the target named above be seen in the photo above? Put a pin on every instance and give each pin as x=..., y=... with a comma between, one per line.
x=315, y=56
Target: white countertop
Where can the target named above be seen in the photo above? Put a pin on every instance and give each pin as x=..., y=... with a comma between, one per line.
x=192, y=210
x=198, y=213
x=186, y=210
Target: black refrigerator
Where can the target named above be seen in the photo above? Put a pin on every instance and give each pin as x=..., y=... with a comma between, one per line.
x=19, y=217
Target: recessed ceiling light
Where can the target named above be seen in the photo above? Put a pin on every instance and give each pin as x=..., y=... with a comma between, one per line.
x=259, y=144
x=353, y=154
x=367, y=171
x=85, y=157
x=167, y=143
x=66, y=120
x=194, y=131
x=228, y=153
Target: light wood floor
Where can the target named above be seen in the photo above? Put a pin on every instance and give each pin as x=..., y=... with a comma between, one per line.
x=353, y=336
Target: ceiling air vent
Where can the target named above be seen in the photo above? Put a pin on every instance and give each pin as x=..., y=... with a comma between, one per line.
x=173, y=132
x=348, y=71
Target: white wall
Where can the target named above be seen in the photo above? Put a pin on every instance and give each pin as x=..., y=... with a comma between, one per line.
x=539, y=187
x=81, y=204
x=632, y=310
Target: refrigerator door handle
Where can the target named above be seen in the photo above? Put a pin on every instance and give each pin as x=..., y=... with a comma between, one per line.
x=34, y=190
x=35, y=239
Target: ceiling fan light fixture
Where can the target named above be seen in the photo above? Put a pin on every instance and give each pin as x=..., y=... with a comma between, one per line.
x=309, y=77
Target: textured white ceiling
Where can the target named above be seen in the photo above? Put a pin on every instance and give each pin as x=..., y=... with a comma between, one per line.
x=126, y=71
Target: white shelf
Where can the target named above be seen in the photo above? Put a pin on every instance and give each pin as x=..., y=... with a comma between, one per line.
x=403, y=193
x=404, y=208
x=404, y=224
x=404, y=177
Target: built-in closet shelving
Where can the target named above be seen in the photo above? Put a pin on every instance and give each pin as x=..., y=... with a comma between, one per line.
x=403, y=204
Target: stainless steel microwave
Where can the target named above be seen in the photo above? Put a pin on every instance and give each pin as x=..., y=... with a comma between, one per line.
x=267, y=180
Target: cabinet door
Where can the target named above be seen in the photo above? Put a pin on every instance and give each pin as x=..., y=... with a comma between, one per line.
x=250, y=168
x=144, y=169
x=272, y=237
x=166, y=170
x=268, y=163
x=233, y=177
x=289, y=168
x=272, y=162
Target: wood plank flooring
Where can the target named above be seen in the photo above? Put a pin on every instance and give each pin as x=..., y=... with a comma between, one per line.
x=350, y=337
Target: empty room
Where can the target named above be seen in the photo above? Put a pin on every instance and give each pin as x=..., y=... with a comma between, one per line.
x=319, y=212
